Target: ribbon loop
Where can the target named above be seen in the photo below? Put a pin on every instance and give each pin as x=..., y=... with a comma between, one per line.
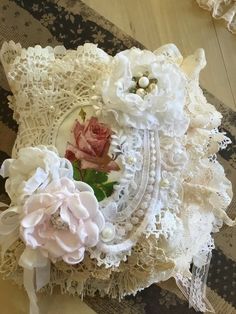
x=36, y=274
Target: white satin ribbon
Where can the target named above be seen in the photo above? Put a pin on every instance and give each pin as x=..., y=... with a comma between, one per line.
x=36, y=274
x=28, y=278
x=36, y=266
x=194, y=287
x=9, y=227
x=3, y=204
x=9, y=219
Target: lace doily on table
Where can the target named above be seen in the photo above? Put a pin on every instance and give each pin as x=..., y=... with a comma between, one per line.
x=171, y=195
x=222, y=9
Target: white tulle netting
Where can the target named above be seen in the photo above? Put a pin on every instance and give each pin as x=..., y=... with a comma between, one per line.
x=222, y=9
x=172, y=192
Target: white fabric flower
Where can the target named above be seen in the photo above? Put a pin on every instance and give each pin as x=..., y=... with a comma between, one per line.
x=33, y=169
x=173, y=153
x=62, y=220
x=162, y=107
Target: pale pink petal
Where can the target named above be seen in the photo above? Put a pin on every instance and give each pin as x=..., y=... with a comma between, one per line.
x=50, y=210
x=90, y=203
x=81, y=231
x=54, y=250
x=67, y=217
x=99, y=220
x=32, y=219
x=75, y=257
x=77, y=208
x=53, y=186
x=69, y=184
x=82, y=187
x=92, y=233
x=30, y=238
x=67, y=241
x=64, y=214
x=38, y=201
x=45, y=231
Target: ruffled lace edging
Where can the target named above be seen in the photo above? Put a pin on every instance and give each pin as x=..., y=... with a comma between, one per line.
x=222, y=9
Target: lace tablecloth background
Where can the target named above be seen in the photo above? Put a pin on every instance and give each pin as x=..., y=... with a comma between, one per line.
x=72, y=23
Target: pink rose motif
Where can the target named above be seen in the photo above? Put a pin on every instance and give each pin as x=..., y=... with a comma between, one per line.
x=92, y=145
x=62, y=220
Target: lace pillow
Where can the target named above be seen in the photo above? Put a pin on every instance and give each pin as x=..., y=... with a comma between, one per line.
x=114, y=181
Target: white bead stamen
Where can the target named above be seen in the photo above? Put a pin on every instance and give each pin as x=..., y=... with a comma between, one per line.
x=140, y=92
x=152, y=87
x=143, y=82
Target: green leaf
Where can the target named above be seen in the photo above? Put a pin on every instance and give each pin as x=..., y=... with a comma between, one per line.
x=82, y=114
x=93, y=176
x=108, y=188
x=96, y=179
x=101, y=177
x=89, y=176
x=99, y=193
x=76, y=173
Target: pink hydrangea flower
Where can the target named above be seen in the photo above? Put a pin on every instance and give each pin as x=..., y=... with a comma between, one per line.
x=62, y=220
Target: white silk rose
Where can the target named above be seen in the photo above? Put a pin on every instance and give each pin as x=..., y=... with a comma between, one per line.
x=145, y=90
x=173, y=153
x=62, y=220
x=32, y=170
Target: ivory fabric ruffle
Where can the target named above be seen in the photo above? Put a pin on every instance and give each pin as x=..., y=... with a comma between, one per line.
x=222, y=9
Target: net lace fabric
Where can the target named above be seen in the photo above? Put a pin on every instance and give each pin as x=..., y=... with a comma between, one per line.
x=182, y=190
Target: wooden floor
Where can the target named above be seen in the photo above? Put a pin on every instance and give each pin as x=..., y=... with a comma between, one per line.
x=157, y=22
